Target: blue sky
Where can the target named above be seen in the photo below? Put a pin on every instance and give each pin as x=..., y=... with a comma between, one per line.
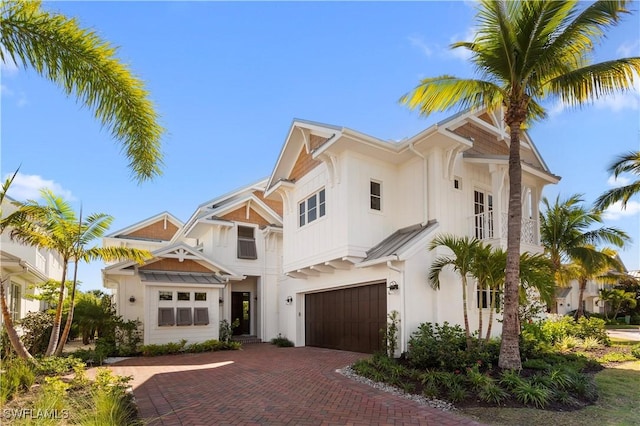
x=228, y=79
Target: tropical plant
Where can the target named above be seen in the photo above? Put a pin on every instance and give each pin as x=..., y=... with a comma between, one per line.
x=626, y=163
x=464, y=250
x=55, y=226
x=568, y=235
x=616, y=299
x=84, y=65
x=527, y=52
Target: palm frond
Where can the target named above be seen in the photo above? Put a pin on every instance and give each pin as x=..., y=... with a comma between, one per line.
x=85, y=66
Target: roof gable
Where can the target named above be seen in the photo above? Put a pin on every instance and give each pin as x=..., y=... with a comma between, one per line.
x=161, y=227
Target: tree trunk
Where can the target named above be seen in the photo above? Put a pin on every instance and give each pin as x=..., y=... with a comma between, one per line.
x=480, y=312
x=17, y=344
x=67, y=326
x=510, y=346
x=57, y=319
x=583, y=286
x=465, y=311
x=492, y=296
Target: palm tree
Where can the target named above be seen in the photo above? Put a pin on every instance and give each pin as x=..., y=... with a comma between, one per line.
x=568, y=236
x=617, y=299
x=54, y=225
x=85, y=66
x=629, y=163
x=527, y=52
x=595, y=264
x=14, y=338
x=464, y=251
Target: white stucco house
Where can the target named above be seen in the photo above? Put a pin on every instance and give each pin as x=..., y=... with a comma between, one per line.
x=24, y=267
x=334, y=239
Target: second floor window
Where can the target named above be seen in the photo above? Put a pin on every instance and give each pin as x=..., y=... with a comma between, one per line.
x=246, y=243
x=375, y=195
x=312, y=208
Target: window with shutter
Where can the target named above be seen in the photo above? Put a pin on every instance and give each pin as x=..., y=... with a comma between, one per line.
x=165, y=316
x=184, y=316
x=201, y=316
x=246, y=243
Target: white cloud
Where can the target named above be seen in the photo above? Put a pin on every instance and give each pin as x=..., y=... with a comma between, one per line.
x=461, y=53
x=28, y=187
x=417, y=41
x=616, y=211
x=618, y=181
x=628, y=49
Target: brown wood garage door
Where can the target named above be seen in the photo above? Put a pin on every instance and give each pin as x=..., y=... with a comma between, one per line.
x=348, y=319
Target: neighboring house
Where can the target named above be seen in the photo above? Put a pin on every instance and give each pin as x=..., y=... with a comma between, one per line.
x=349, y=242
x=24, y=266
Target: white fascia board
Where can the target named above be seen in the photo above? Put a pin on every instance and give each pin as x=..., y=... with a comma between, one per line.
x=181, y=285
x=378, y=261
x=504, y=160
x=242, y=201
x=281, y=184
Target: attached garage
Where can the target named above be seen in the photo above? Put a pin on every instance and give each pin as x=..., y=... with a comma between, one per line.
x=348, y=319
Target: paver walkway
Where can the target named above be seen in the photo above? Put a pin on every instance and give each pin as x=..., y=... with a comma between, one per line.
x=266, y=385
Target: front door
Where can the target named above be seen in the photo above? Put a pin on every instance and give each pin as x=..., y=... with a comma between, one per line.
x=240, y=308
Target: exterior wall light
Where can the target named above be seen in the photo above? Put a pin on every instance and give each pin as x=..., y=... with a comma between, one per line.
x=132, y=299
x=220, y=300
x=393, y=285
x=289, y=300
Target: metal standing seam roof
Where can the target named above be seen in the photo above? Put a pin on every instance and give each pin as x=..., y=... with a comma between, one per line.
x=180, y=277
x=563, y=292
x=395, y=242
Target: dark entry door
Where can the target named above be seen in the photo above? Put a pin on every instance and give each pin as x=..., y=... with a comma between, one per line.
x=349, y=319
x=240, y=308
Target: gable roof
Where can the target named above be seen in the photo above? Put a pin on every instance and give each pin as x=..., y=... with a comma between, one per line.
x=479, y=134
x=215, y=210
x=182, y=253
x=160, y=227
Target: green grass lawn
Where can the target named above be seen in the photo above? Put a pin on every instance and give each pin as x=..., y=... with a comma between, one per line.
x=622, y=327
x=618, y=402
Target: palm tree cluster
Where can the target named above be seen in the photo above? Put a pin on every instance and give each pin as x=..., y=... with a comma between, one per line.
x=528, y=52
x=570, y=234
x=486, y=265
x=54, y=225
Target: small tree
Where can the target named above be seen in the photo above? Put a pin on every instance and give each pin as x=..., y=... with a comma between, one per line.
x=615, y=300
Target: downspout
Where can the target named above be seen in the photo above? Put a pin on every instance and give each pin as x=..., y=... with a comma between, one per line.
x=403, y=304
x=425, y=213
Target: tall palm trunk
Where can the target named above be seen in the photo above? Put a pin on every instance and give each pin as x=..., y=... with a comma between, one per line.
x=67, y=325
x=14, y=339
x=492, y=297
x=480, y=312
x=510, y=348
x=582, y=281
x=57, y=319
x=465, y=311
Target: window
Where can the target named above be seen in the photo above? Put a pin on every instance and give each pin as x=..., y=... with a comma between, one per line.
x=246, y=243
x=375, y=195
x=184, y=295
x=166, y=295
x=312, y=208
x=200, y=316
x=184, y=316
x=485, y=298
x=165, y=316
x=483, y=218
x=457, y=183
x=200, y=297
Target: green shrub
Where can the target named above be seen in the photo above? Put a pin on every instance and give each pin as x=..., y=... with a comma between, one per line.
x=182, y=347
x=532, y=394
x=592, y=327
x=17, y=376
x=57, y=366
x=282, y=342
x=591, y=343
x=535, y=364
x=635, y=350
x=492, y=393
x=37, y=328
x=616, y=357
x=567, y=343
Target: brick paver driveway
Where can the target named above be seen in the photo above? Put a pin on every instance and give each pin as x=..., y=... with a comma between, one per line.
x=266, y=385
